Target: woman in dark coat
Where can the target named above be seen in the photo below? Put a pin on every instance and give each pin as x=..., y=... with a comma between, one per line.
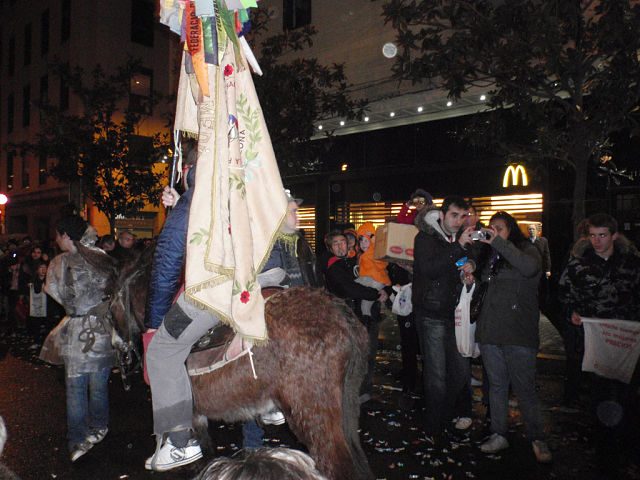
x=508, y=331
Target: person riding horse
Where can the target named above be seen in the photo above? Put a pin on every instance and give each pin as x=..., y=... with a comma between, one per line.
x=290, y=264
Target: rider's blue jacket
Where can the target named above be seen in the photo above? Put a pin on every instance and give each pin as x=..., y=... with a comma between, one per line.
x=168, y=258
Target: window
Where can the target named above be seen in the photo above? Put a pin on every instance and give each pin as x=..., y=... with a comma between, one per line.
x=140, y=91
x=142, y=22
x=65, y=22
x=44, y=32
x=10, y=113
x=25, y=172
x=64, y=95
x=27, y=44
x=10, y=156
x=11, y=66
x=42, y=169
x=26, y=106
x=44, y=89
x=296, y=13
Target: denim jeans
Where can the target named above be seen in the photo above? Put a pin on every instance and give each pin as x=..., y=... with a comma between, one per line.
x=447, y=374
x=251, y=435
x=515, y=365
x=87, y=404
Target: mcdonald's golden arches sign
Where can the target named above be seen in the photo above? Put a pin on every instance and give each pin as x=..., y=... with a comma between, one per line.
x=514, y=175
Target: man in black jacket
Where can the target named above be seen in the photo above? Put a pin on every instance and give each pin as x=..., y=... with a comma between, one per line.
x=436, y=289
x=340, y=277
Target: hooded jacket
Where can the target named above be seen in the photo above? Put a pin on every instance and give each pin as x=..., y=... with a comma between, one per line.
x=510, y=313
x=595, y=287
x=436, y=278
x=368, y=265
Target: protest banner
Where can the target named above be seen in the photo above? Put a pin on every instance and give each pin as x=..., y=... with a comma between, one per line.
x=611, y=347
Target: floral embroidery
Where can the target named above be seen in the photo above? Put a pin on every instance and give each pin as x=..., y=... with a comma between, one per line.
x=251, y=120
x=244, y=291
x=245, y=296
x=198, y=237
x=228, y=70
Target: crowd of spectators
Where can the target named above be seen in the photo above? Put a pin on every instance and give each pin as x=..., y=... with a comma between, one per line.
x=25, y=309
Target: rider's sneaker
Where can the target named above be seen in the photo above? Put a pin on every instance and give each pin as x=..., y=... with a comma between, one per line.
x=97, y=435
x=170, y=457
x=274, y=417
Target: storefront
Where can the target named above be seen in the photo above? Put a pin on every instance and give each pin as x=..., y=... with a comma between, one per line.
x=508, y=188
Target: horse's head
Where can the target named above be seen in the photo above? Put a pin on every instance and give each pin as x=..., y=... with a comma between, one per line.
x=129, y=297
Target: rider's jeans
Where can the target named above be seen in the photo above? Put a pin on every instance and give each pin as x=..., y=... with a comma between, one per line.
x=87, y=404
x=171, y=395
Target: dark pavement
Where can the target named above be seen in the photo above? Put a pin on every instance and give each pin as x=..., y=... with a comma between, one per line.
x=32, y=403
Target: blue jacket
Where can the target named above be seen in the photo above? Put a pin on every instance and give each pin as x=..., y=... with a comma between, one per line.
x=168, y=259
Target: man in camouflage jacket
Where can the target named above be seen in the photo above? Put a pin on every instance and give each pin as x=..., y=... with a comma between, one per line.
x=602, y=280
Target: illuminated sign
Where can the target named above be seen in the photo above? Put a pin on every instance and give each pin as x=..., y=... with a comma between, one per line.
x=514, y=172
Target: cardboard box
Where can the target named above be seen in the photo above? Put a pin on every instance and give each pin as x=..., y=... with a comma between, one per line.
x=394, y=242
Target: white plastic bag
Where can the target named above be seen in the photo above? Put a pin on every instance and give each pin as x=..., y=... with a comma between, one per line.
x=402, y=301
x=465, y=330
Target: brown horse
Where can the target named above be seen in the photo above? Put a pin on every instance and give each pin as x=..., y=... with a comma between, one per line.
x=311, y=369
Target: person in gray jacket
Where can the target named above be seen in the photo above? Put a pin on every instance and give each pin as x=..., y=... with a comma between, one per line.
x=507, y=331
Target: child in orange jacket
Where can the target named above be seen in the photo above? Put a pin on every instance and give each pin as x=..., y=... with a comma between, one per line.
x=372, y=272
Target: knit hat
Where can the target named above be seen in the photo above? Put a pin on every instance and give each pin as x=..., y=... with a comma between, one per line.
x=367, y=229
x=422, y=193
x=291, y=198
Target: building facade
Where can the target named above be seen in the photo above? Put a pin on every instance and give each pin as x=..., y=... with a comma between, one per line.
x=38, y=33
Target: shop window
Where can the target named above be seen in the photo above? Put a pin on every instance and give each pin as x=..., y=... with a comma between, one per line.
x=296, y=13
x=44, y=32
x=65, y=21
x=142, y=22
x=628, y=205
x=10, y=113
x=140, y=91
x=25, y=173
x=27, y=44
x=10, y=157
x=42, y=169
x=26, y=106
x=11, y=65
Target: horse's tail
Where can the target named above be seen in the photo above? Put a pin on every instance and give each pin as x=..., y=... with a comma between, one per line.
x=355, y=371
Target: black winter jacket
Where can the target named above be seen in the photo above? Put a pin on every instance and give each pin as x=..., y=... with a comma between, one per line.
x=436, y=278
x=340, y=278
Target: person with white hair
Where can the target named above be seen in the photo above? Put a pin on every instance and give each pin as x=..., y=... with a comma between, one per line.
x=263, y=464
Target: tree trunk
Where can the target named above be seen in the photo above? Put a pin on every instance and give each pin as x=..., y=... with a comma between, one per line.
x=580, y=188
x=112, y=223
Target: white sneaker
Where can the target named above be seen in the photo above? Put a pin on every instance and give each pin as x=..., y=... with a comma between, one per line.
x=541, y=451
x=462, y=423
x=97, y=435
x=495, y=444
x=274, y=417
x=80, y=449
x=170, y=457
